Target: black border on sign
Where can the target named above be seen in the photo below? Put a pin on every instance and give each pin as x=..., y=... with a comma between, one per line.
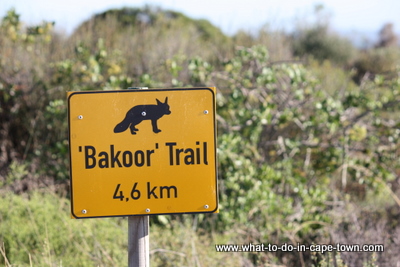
x=138, y=91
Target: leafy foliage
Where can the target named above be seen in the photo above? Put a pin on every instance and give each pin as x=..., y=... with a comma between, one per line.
x=320, y=42
x=286, y=143
x=381, y=61
x=148, y=37
x=322, y=45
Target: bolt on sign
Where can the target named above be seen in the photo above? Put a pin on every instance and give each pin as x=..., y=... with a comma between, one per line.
x=140, y=152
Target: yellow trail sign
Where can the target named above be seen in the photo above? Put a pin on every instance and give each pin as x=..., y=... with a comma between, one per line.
x=140, y=152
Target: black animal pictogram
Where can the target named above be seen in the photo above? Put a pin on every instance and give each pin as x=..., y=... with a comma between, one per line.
x=139, y=113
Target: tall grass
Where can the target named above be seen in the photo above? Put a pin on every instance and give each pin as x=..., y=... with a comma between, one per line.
x=36, y=230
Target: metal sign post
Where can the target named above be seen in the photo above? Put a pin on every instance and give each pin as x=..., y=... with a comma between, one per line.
x=138, y=241
x=137, y=153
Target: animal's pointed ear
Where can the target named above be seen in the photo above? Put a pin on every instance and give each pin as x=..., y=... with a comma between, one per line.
x=166, y=100
x=158, y=102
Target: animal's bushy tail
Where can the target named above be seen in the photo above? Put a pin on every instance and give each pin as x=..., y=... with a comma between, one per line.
x=122, y=126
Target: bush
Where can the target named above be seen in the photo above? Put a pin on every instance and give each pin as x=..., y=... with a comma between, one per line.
x=384, y=61
x=322, y=45
x=288, y=147
x=148, y=37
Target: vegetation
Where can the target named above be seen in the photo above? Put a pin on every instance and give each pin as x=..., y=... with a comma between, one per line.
x=308, y=140
x=319, y=41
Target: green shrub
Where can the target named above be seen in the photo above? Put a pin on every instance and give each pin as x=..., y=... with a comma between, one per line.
x=322, y=45
x=147, y=37
x=384, y=60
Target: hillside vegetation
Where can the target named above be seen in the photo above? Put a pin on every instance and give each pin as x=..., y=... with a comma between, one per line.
x=308, y=139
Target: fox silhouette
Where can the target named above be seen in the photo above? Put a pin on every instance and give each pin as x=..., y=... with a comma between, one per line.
x=139, y=113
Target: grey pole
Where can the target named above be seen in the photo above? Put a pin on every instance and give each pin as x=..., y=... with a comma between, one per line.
x=138, y=241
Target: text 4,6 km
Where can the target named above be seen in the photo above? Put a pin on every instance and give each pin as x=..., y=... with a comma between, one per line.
x=151, y=192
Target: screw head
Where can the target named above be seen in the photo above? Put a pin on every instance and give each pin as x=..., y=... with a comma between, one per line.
x=144, y=113
x=206, y=206
x=205, y=112
x=84, y=211
x=80, y=117
x=147, y=210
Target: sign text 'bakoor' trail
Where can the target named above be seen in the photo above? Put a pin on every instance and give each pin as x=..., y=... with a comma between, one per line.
x=140, y=152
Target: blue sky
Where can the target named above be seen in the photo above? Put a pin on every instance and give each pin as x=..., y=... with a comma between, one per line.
x=346, y=16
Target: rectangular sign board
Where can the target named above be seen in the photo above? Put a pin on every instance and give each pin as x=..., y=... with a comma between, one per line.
x=141, y=152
